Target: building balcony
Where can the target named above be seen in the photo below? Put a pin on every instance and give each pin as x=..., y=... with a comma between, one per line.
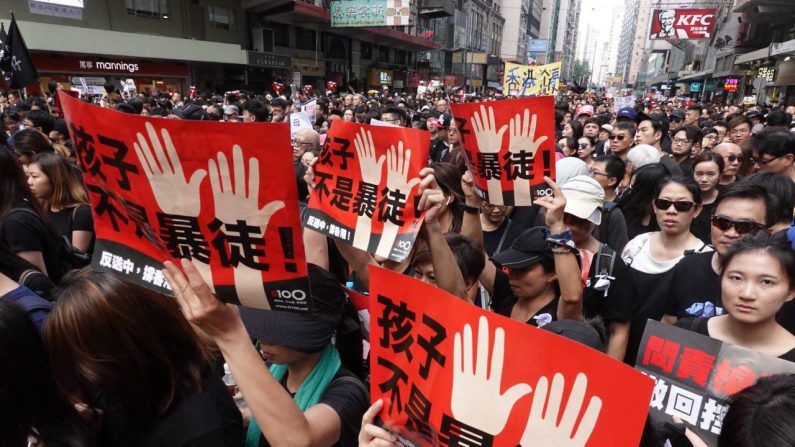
x=433, y=9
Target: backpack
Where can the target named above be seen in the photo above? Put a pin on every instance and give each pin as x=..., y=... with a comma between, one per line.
x=605, y=260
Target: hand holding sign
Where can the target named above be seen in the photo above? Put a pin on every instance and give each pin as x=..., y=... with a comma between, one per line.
x=480, y=386
x=164, y=171
x=554, y=206
x=543, y=425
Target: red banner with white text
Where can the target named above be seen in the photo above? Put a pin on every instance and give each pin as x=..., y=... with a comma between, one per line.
x=366, y=187
x=510, y=147
x=221, y=194
x=453, y=374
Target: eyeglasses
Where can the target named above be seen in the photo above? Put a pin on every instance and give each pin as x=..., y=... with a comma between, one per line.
x=733, y=158
x=680, y=205
x=617, y=137
x=681, y=141
x=740, y=226
x=674, y=119
x=593, y=172
x=762, y=161
x=297, y=143
x=739, y=131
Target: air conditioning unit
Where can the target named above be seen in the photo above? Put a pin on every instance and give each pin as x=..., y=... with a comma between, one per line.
x=262, y=39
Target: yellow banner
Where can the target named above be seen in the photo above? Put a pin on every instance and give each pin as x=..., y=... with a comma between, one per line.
x=531, y=80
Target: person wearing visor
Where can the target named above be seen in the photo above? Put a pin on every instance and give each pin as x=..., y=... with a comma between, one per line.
x=311, y=396
x=541, y=281
x=608, y=291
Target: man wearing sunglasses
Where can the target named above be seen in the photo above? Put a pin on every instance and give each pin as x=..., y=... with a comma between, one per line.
x=742, y=210
x=732, y=159
x=774, y=151
x=621, y=138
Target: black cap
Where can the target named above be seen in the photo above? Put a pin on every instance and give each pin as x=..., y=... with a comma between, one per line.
x=678, y=113
x=303, y=332
x=579, y=331
x=528, y=248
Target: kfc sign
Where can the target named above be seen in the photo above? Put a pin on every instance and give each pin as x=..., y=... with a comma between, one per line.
x=672, y=24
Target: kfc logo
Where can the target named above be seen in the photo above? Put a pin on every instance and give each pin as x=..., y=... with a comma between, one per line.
x=682, y=23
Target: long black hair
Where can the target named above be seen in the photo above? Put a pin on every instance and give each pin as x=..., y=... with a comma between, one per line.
x=27, y=388
x=636, y=204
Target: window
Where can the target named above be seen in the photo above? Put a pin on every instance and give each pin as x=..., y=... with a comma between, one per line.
x=400, y=57
x=383, y=54
x=281, y=34
x=367, y=50
x=153, y=9
x=223, y=18
x=305, y=39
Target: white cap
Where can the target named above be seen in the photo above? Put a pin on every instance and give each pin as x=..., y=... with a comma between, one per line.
x=584, y=198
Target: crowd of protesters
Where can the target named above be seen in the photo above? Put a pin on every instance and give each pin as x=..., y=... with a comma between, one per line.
x=665, y=209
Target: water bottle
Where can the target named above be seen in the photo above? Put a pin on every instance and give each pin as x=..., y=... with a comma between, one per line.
x=229, y=381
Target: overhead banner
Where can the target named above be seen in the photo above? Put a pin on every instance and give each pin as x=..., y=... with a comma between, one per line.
x=365, y=191
x=510, y=147
x=695, y=375
x=681, y=24
x=531, y=80
x=620, y=102
x=221, y=194
x=355, y=13
x=453, y=374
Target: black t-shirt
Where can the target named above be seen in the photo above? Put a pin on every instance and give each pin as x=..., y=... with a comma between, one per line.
x=349, y=397
x=24, y=230
x=205, y=419
x=701, y=326
x=695, y=288
x=701, y=227
x=617, y=305
x=649, y=291
x=503, y=300
x=303, y=190
x=506, y=232
x=68, y=220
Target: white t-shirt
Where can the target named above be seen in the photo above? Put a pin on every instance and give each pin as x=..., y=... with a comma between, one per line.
x=637, y=254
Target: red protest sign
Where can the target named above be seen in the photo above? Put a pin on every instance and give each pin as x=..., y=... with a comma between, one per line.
x=366, y=187
x=164, y=188
x=510, y=146
x=695, y=375
x=448, y=370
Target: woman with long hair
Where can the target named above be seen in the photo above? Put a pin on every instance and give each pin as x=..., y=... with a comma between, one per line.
x=707, y=169
x=636, y=203
x=651, y=257
x=311, y=396
x=29, y=142
x=34, y=412
x=25, y=228
x=757, y=277
x=130, y=356
x=63, y=197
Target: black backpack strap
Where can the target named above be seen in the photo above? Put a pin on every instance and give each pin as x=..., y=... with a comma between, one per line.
x=605, y=252
x=504, y=235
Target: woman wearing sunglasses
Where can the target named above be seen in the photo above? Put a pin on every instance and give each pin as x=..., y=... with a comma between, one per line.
x=585, y=148
x=757, y=278
x=652, y=256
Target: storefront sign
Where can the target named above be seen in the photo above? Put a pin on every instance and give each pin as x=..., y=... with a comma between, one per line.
x=695, y=86
x=336, y=67
x=379, y=76
x=355, y=13
x=308, y=67
x=730, y=85
x=46, y=63
x=671, y=24
x=69, y=9
x=269, y=60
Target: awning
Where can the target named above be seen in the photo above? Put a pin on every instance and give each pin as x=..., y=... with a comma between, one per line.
x=696, y=75
x=762, y=53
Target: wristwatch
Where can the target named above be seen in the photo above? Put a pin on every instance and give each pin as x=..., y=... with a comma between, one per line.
x=470, y=209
